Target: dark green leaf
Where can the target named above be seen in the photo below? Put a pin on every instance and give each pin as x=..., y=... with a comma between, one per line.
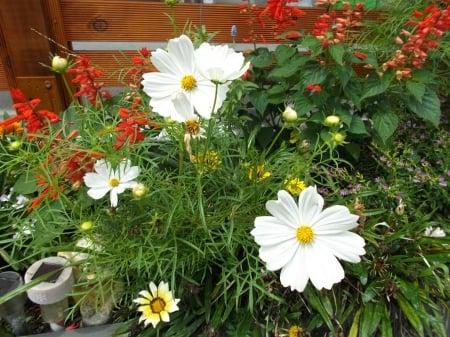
x=25, y=184
x=385, y=124
x=259, y=100
x=261, y=58
x=416, y=89
x=283, y=53
x=357, y=126
x=375, y=86
x=429, y=109
x=370, y=318
x=337, y=52
x=411, y=314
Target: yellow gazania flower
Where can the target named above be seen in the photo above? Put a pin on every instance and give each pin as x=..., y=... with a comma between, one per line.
x=257, y=173
x=156, y=304
x=296, y=331
x=294, y=186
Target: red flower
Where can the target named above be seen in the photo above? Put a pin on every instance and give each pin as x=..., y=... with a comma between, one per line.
x=86, y=77
x=293, y=35
x=312, y=88
x=130, y=127
x=36, y=121
x=360, y=55
x=283, y=14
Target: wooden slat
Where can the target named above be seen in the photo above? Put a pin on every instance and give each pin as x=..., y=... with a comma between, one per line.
x=112, y=20
x=3, y=80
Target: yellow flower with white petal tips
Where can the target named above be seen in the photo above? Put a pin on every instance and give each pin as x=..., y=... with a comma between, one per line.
x=157, y=304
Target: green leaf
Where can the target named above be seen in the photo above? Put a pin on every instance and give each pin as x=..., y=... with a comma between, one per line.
x=259, y=100
x=303, y=104
x=375, y=86
x=25, y=184
x=386, y=326
x=416, y=89
x=385, y=124
x=355, y=325
x=261, y=58
x=410, y=313
x=370, y=318
x=314, y=300
x=344, y=73
x=429, y=108
x=314, y=74
x=283, y=53
x=337, y=52
x=357, y=126
x=286, y=70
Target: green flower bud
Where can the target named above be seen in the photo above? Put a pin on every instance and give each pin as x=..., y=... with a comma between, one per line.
x=59, y=64
x=332, y=120
x=86, y=226
x=289, y=114
x=139, y=190
x=15, y=145
x=338, y=138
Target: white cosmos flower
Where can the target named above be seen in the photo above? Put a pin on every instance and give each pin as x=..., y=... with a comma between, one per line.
x=178, y=72
x=304, y=241
x=220, y=63
x=434, y=232
x=106, y=179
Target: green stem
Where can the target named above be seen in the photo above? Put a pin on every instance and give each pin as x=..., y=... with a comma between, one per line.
x=264, y=154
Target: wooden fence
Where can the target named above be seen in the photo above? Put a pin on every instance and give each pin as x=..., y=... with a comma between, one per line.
x=91, y=27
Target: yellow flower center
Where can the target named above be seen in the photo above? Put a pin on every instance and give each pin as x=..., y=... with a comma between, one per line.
x=157, y=305
x=114, y=182
x=193, y=126
x=188, y=82
x=296, y=331
x=304, y=234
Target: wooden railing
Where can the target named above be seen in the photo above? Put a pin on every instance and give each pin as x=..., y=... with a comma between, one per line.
x=91, y=27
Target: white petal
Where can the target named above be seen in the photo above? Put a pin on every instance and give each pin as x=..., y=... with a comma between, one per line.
x=323, y=268
x=95, y=180
x=347, y=246
x=183, y=107
x=153, y=289
x=98, y=192
x=130, y=174
x=284, y=209
x=294, y=274
x=310, y=204
x=334, y=219
x=279, y=255
x=114, y=199
x=161, y=85
x=181, y=50
x=269, y=231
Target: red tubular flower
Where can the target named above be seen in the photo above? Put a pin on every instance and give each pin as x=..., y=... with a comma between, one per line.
x=283, y=14
x=86, y=77
x=312, y=88
x=36, y=121
x=130, y=127
x=360, y=55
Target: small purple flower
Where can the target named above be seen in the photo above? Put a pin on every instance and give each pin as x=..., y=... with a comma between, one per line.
x=383, y=159
x=442, y=181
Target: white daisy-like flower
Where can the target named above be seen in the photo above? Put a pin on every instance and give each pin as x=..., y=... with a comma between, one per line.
x=220, y=63
x=178, y=73
x=157, y=304
x=304, y=240
x=434, y=232
x=106, y=179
